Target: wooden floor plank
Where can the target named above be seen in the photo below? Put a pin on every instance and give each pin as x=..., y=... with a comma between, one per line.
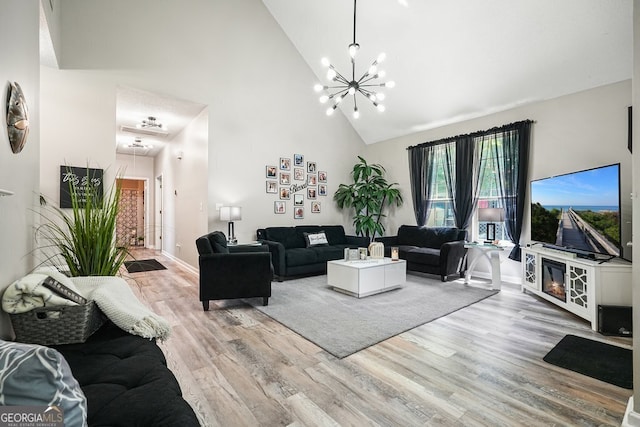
x=479, y=366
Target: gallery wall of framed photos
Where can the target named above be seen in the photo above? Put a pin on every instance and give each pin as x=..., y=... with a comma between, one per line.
x=297, y=185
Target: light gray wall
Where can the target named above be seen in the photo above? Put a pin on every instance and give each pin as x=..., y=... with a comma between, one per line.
x=235, y=59
x=78, y=125
x=18, y=172
x=573, y=132
x=185, y=189
x=230, y=56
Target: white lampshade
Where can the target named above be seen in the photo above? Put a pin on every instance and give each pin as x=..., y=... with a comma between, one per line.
x=230, y=213
x=490, y=214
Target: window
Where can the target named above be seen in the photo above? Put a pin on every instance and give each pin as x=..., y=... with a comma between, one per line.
x=441, y=213
x=492, y=168
x=489, y=192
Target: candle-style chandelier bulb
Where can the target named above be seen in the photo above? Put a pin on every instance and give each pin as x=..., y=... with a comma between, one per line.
x=353, y=49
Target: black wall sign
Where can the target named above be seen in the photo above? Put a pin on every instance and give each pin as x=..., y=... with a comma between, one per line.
x=80, y=180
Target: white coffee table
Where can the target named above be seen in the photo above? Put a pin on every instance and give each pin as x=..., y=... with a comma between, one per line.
x=362, y=278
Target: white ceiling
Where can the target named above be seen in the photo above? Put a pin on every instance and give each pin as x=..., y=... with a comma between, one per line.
x=133, y=106
x=454, y=60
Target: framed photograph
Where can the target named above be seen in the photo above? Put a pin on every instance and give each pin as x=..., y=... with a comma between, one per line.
x=285, y=193
x=298, y=213
x=322, y=176
x=298, y=160
x=362, y=253
x=285, y=164
x=311, y=192
x=311, y=167
x=315, y=207
x=312, y=179
x=272, y=172
x=322, y=189
x=352, y=254
x=298, y=174
x=279, y=207
x=298, y=200
x=272, y=187
x=285, y=178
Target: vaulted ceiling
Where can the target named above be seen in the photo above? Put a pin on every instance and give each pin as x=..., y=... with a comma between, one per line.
x=453, y=60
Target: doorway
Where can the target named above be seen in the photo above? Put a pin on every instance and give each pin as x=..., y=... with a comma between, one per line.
x=159, y=222
x=131, y=227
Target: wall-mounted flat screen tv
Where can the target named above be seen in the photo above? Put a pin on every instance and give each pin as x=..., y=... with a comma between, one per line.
x=579, y=211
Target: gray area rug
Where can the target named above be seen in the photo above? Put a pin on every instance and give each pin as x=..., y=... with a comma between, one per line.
x=342, y=324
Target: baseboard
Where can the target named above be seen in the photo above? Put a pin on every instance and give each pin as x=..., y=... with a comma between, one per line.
x=183, y=264
x=631, y=418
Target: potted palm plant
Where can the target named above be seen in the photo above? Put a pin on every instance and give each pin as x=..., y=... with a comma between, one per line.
x=84, y=237
x=368, y=195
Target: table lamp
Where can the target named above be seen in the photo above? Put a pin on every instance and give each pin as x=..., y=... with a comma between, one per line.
x=490, y=216
x=231, y=213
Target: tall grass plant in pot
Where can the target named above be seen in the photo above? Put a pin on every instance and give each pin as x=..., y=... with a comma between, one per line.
x=84, y=236
x=368, y=196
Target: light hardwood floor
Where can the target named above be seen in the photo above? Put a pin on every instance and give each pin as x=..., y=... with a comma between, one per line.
x=479, y=366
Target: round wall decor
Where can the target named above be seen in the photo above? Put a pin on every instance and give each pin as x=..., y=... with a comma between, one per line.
x=17, y=117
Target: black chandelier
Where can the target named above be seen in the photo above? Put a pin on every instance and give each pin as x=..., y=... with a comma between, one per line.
x=364, y=85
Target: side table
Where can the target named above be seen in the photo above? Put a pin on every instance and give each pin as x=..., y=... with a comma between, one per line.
x=492, y=253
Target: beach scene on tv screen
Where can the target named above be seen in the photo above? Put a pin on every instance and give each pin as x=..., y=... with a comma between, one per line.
x=579, y=210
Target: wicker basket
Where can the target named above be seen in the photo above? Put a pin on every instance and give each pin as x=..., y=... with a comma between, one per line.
x=57, y=325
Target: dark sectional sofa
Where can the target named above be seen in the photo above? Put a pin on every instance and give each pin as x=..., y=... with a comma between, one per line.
x=126, y=381
x=291, y=255
x=433, y=250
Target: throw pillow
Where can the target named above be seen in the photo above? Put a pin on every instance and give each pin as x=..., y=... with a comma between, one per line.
x=34, y=375
x=316, y=239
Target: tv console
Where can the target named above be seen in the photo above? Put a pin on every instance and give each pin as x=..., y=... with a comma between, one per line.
x=586, y=283
x=579, y=252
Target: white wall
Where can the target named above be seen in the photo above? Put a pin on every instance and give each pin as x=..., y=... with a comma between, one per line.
x=235, y=59
x=230, y=56
x=573, y=132
x=185, y=204
x=634, y=407
x=78, y=126
x=18, y=172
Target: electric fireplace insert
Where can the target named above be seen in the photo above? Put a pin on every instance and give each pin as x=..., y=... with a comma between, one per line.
x=553, y=278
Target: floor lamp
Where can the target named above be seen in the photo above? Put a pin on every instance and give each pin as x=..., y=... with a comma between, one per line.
x=490, y=216
x=231, y=213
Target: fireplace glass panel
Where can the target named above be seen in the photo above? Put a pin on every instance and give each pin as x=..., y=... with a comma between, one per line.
x=553, y=279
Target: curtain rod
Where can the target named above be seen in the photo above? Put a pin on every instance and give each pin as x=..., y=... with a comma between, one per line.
x=472, y=135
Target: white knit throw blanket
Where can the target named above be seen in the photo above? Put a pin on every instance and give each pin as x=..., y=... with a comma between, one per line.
x=116, y=300
x=112, y=294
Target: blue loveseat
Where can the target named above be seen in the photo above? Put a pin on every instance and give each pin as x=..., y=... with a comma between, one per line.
x=293, y=255
x=433, y=250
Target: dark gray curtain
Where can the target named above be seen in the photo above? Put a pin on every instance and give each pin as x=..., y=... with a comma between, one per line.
x=466, y=183
x=513, y=172
x=448, y=160
x=463, y=163
x=421, y=167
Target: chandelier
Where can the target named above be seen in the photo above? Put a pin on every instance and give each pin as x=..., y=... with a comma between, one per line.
x=150, y=123
x=137, y=143
x=342, y=86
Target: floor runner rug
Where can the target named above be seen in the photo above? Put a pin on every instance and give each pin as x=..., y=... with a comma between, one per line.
x=342, y=324
x=605, y=362
x=141, y=265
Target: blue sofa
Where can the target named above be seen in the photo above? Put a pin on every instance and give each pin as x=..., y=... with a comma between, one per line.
x=433, y=250
x=292, y=255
